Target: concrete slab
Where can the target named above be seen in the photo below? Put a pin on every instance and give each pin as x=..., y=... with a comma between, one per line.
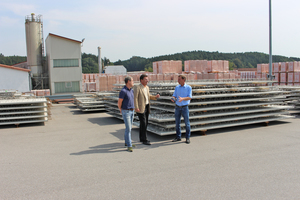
x=82, y=156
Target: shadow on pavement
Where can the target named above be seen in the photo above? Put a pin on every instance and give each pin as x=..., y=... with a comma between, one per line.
x=104, y=121
x=156, y=140
x=77, y=111
x=25, y=125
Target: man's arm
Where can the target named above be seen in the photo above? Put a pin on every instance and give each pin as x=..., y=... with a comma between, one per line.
x=189, y=97
x=120, y=101
x=136, y=95
x=154, y=97
x=180, y=99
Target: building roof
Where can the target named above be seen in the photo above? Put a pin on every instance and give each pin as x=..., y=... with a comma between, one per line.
x=16, y=68
x=20, y=63
x=51, y=34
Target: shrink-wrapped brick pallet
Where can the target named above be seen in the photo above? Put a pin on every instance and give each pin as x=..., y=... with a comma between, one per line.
x=187, y=65
x=152, y=77
x=90, y=87
x=276, y=77
x=111, y=80
x=226, y=75
x=262, y=68
x=159, y=77
x=284, y=67
x=277, y=67
x=231, y=75
x=213, y=66
x=205, y=76
x=41, y=93
x=102, y=82
x=167, y=77
x=155, y=67
x=283, y=77
x=294, y=66
x=297, y=77
x=199, y=76
x=290, y=77
x=167, y=66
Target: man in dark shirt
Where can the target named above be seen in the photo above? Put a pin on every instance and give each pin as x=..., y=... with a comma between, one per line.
x=126, y=107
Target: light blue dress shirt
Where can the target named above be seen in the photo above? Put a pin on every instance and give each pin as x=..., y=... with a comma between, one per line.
x=182, y=91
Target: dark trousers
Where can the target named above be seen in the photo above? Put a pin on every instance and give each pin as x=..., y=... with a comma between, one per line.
x=143, y=117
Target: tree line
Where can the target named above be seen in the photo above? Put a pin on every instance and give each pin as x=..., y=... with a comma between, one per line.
x=136, y=63
x=236, y=60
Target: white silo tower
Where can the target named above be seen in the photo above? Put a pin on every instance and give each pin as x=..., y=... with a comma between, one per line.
x=34, y=43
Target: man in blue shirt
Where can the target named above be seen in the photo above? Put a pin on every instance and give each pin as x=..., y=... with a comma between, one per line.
x=182, y=97
x=126, y=107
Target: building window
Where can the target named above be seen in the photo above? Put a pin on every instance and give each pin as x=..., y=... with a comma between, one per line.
x=64, y=87
x=65, y=63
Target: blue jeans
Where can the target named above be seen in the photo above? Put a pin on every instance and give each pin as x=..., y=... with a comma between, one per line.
x=128, y=119
x=184, y=111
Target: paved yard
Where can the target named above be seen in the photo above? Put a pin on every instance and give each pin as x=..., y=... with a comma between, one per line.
x=82, y=156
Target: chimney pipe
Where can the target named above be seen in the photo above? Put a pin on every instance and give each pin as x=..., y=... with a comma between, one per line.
x=99, y=60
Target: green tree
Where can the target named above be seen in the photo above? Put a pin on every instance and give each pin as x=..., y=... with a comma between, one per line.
x=238, y=63
x=148, y=67
x=89, y=65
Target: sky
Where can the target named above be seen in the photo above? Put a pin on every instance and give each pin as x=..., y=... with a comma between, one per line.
x=126, y=28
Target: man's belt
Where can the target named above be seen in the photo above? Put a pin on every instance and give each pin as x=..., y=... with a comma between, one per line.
x=127, y=109
x=181, y=106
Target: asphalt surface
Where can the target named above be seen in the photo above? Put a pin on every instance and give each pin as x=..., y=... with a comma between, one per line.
x=82, y=156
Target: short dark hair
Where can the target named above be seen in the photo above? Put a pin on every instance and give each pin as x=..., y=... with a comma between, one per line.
x=143, y=76
x=182, y=76
x=128, y=78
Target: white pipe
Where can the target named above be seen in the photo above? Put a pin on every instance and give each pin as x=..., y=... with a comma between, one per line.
x=99, y=60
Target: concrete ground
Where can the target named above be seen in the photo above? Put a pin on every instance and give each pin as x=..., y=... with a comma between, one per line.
x=82, y=156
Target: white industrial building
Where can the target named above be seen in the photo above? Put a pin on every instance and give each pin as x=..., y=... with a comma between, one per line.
x=64, y=64
x=115, y=70
x=14, y=78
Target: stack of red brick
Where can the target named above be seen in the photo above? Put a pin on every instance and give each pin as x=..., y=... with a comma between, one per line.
x=167, y=66
x=210, y=69
x=164, y=71
x=206, y=66
x=41, y=93
x=286, y=73
x=247, y=73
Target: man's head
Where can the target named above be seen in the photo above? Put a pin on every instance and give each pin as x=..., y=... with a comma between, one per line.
x=129, y=81
x=144, y=79
x=181, y=79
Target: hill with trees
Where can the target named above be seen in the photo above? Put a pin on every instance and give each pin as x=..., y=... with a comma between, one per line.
x=136, y=63
x=236, y=60
x=11, y=60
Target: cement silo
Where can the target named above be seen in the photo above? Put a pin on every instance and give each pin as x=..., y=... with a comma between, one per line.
x=34, y=43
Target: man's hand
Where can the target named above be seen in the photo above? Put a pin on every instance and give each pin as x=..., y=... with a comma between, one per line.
x=137, y=110
x=157, y=96
x=180, y=99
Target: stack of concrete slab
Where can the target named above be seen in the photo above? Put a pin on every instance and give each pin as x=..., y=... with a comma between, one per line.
x=23, y=110
x=292, y=96
x=111, y=104
x=215, y=105
x=91, y=102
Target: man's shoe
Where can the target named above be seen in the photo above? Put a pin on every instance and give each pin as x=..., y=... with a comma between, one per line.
x=147, y=142
x=176, y=140
x=132, y=145
x=129, y=149
x=187, y=141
